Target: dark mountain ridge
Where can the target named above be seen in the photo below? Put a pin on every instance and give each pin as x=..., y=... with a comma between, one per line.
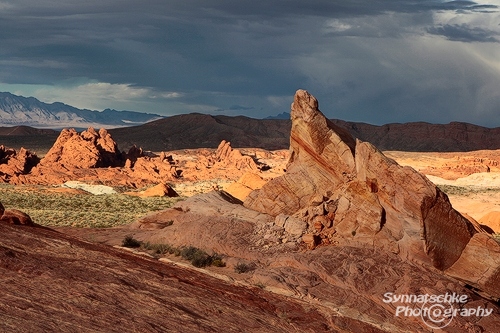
x=201, y=130
x=197, y=130
x=422, y=136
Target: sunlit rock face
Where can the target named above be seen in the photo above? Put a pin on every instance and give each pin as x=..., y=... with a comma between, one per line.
x=342, y=186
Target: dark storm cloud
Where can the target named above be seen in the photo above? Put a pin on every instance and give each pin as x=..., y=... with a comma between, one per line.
x=249, y=57
x=463, y=33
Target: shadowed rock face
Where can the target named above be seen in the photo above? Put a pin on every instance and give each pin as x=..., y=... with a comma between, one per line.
x=334, y=180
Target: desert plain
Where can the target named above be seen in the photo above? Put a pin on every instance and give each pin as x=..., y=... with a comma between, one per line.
x=243, y=239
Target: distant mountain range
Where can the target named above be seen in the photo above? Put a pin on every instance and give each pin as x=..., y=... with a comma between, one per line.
x=202, y=130
x=17, y=110
x=283, y=115
x=197, y=130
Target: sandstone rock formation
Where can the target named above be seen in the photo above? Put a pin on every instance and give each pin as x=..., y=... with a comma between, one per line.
x=14, y=216
x=491, y=220
x=479, y=264
x=14, y=163
x=93, y=157
x=341, y=227
x=245, y=185
x=347, y=280
x=342, y=187
x=227, y=156
x=160, y=190
x=89, y=149
x=133, y=154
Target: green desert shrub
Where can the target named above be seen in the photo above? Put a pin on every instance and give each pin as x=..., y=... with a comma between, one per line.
x=242, y=267
x=131, y=242
x=200, y=258
x=196, y=256
x=217, y=260
x=158, y=248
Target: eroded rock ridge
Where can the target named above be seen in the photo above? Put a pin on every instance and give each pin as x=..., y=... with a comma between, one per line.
x=342, y=187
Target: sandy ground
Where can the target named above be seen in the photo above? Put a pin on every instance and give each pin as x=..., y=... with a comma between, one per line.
x=472, y=193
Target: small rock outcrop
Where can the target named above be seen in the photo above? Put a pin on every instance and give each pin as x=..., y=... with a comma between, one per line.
x=160, y=190
x=342, y=187
x=14, y=216
x=133, y=154
x=245, y=185
x=14, y=163
x=492, y=221
x=226, y=155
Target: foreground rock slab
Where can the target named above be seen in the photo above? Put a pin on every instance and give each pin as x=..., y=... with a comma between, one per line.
x=346, y=279
x=55, y=283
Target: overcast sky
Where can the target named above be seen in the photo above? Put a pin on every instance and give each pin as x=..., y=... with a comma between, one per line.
x=376, y=61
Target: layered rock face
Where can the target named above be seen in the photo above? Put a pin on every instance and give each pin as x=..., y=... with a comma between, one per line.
x=58, y=283
x=345, y=189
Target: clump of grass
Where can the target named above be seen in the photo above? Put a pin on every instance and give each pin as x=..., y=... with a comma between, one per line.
x=160, y=249
x=217, y=261
x=242, y=267
x=496, y=237
x=196, y=256
x=131, y=242
x=200, y=258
